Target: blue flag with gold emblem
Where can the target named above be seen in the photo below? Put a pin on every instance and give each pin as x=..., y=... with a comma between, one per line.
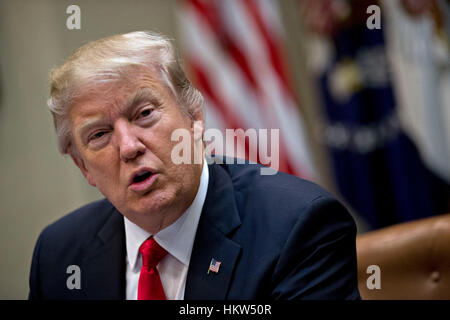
x=377, y=167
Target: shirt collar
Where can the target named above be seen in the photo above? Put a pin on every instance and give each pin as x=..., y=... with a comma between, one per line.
x=178, y=238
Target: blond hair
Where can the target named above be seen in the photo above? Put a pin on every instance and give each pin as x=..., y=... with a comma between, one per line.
x=114, y=59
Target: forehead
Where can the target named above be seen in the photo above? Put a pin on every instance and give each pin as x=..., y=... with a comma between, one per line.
x=115, y=95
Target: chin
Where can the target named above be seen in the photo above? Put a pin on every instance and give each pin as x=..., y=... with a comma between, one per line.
x=154, y=202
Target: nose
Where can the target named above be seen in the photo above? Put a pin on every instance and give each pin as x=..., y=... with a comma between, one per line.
x=130, y=147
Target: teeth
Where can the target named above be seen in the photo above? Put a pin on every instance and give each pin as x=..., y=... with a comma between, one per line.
x=141, y=174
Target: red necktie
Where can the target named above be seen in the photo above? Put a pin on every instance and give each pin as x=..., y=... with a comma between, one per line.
x=150, y=286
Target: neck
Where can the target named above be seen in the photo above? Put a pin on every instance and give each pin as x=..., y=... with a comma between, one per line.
x=157, y=221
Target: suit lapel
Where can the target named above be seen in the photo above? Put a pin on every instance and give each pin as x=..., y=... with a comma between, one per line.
x=219, y=218
x=104, y=268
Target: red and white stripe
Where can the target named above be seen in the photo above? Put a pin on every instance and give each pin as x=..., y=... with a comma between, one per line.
x=234, y=57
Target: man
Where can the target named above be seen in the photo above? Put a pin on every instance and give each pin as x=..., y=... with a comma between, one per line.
x=176, y=231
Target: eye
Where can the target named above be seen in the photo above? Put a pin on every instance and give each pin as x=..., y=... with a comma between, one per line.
x=145, y=113
x=97, y=135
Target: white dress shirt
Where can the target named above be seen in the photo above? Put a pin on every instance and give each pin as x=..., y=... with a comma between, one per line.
x=177, y=239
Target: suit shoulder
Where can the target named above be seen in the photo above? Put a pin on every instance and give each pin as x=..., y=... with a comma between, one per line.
x=283, y=199
x=248, y=179
x=79, y=223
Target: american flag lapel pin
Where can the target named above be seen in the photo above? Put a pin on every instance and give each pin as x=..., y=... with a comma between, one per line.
x=214, y=266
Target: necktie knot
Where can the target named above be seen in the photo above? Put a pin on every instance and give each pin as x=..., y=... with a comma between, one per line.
x=152, y=253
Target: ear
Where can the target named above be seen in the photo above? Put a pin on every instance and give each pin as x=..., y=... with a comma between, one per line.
x=80, y=164
x=198, y=126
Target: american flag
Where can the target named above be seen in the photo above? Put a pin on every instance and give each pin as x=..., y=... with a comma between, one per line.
x=214, y=266
x=234, y=56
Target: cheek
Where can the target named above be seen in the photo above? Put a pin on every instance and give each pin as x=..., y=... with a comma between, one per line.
x=159, y=140
x=103, y=165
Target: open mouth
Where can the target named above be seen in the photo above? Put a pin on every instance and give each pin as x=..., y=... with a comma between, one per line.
x=138, y=178
x=143, y=180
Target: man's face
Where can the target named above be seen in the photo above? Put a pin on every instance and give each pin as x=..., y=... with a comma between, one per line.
x=124, y=149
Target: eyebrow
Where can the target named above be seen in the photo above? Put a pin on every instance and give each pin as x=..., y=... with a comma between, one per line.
x=88, y=124
x=142, y=95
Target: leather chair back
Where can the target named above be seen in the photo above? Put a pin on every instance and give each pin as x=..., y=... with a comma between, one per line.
x=414, y=260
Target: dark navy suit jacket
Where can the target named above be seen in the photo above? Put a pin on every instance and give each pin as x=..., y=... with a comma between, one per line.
x=277, y=237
